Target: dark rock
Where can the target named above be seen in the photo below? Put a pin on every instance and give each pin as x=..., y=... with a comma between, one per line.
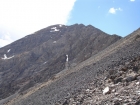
x=66, y=103
x=138, y=102
x=135, y=68
x=124, y=69
x=138, y=78
x=118, y=80
x=130, y=78
x=117, y=103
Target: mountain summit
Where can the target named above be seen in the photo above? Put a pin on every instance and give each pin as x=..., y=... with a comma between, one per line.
x=50, y=64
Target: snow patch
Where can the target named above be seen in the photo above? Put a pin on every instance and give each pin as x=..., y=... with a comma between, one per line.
x=44, y=62
x=60, y=25
x=67, y=59
x=8, y=50
x=5, y=57
x=54, y=29
x=54, y=41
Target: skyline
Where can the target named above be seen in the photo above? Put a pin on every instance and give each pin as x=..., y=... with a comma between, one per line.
x=23, y=17
x=111, y=16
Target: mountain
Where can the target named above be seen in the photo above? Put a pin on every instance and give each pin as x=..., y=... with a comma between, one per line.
x=37, y=57
x=58, y=63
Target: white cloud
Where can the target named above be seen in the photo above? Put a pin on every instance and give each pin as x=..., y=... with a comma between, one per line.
x=114, y=10
x=4, y=40
x=132, y=0
x=119, y=9
x=27, y=16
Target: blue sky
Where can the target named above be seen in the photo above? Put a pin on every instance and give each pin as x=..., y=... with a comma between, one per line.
x=122, y=19
x=19, y=18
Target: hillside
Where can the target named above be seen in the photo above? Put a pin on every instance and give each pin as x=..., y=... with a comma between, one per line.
x=41, y=56
x=108, y=77
x=116, y=67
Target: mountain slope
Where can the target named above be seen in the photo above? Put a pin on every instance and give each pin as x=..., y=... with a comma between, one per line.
x=39, y=57
x=65, y=83
x=67, y=87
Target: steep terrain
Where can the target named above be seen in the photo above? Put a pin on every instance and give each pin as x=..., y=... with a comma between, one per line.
x=37, y=59
x=108, y=77
x=119, y=86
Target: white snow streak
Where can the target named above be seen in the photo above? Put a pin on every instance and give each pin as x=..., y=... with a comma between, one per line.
x=54, y=29
x=67, y=59
x=54, y=41
x=5, y=57
x=8, y=50
x=60, y=25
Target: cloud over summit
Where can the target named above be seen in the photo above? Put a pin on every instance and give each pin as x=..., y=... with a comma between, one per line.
x=28, y=16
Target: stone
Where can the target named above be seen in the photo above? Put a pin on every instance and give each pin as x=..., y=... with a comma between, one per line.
x=113, y=90
x=138, y=102
x=129, y=100
x=109, y=80
x=106, y=91
x=138, y=92
x=129, y=79
x=137, y=83
x=135, y=68
x=124, y=69
x=116, y=94
x=66, y=102
x=138, y=78
x=87, y=90
x=127, y=63
x=117, y=80
x=117, y=103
